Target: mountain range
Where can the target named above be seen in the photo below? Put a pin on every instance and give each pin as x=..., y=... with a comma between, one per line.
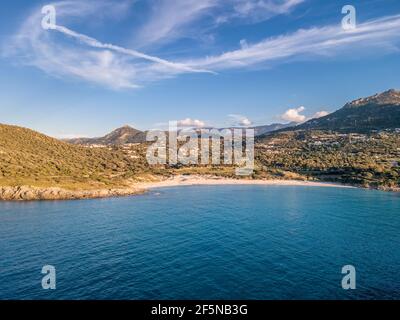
x=29, y=158
x=127, y=134
x=380, y=111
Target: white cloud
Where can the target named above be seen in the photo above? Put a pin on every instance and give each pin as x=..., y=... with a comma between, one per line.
x=245, y=122
x=319, y=114
x=188, y=122
x=293, y=115
x=240, y=120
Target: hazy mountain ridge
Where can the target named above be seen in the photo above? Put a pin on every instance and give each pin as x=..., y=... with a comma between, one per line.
x=260, y=130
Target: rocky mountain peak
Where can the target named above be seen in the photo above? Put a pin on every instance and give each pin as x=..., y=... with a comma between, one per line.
x=390, y=97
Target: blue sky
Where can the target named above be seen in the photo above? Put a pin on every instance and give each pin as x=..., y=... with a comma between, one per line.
x=201, y=62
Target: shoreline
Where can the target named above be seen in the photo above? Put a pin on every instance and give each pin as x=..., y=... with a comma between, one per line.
x=194, y=180
x=29, y=193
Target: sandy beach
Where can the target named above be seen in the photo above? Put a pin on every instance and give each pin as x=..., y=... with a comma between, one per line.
x=34, y=193
x=212, y=180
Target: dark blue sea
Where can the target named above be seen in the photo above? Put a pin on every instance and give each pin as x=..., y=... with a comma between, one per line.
x=205, y=242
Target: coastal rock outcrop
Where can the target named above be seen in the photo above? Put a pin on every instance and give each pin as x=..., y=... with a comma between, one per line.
x=33, y=193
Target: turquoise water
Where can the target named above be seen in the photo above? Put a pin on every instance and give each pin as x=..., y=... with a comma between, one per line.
x=205, y=242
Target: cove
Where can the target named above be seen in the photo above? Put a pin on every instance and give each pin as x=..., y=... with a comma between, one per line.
x=205, y=242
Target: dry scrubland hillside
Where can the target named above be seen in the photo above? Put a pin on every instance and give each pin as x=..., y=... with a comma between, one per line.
x=31, y=158
x=28, y=158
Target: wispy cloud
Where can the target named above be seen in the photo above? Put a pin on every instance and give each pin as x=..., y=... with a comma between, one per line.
x=381, y=34
x=86, y=58
x=136, y=54
x=65, y=52
x=259, y=10
x=170, y=20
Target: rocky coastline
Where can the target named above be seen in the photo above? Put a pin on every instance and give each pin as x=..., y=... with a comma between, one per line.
x=29, y=193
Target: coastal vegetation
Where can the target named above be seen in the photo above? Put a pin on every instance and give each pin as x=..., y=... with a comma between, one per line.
x=367, y=160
